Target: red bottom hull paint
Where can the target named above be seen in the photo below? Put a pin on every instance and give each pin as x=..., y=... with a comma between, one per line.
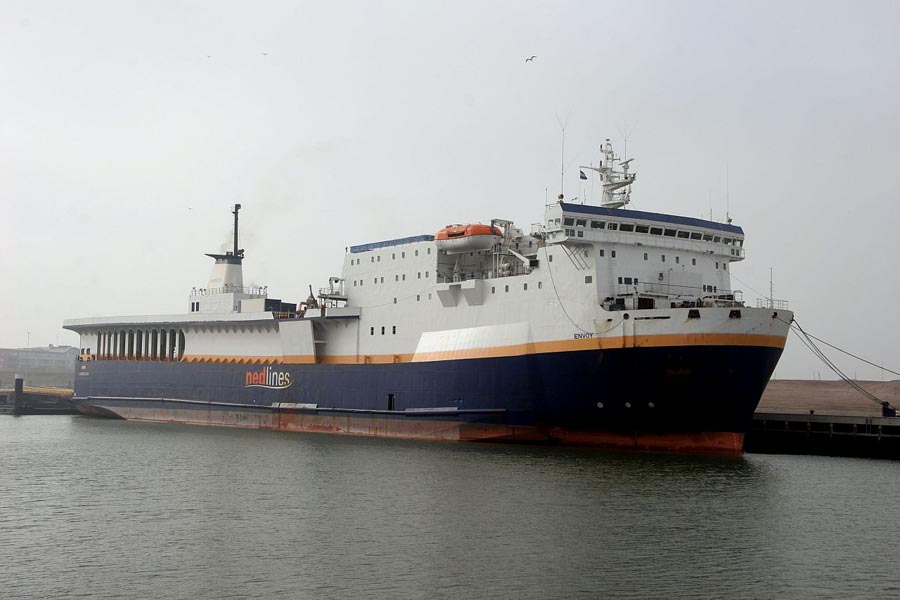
x=702, y=442
x=722, y=443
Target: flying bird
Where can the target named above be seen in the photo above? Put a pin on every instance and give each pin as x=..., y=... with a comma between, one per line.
x=533, y=56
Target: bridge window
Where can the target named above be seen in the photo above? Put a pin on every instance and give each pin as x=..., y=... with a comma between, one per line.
x=716, y=239
x=628, y=281
x=612, y=226
x=726, y=241
x=598, y=224
x=707, y=237
x=568, y=221
x=656, y=231
x=580, y=233
x=620, y=280
x=642, y=228
x=669, y=233
x=626, y=227
x=696, y=236
x=684, y=235
x=580, y=222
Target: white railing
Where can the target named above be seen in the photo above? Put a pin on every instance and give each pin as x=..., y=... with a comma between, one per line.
x=772, y=303
x=230, y=289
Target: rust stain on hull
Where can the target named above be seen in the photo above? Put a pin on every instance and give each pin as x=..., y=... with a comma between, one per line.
x=721, y=443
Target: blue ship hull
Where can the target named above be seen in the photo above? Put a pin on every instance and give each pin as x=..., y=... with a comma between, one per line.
x=692, y=398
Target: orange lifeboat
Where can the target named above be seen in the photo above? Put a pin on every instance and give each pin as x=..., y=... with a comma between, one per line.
x=467, y=238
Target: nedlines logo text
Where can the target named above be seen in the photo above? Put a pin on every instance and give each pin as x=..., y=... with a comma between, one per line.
x=269, y=378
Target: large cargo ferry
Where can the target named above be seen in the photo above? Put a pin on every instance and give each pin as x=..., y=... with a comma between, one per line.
x=601, y=326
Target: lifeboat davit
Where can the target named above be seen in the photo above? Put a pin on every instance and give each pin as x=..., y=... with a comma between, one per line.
x=454, y=239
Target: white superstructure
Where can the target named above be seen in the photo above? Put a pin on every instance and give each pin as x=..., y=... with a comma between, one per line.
x=587, y=277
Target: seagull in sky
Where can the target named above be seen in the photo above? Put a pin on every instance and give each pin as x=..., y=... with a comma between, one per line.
x=531, y=59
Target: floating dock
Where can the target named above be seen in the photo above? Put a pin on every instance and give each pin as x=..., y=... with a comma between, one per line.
x=827, y=418
x=22, y=400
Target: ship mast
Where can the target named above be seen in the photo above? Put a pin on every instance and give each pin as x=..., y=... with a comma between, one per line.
x=613, y=180
x=237, y=208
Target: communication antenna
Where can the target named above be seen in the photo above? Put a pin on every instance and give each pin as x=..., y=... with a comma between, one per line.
x=771, y=290
x=562, y=155
x=727, y=199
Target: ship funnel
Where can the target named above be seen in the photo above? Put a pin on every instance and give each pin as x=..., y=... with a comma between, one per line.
x=227, y=274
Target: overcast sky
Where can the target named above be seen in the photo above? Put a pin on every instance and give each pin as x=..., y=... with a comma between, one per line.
x=127, y=129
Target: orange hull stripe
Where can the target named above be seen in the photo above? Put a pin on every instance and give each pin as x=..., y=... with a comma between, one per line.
x=597, y=343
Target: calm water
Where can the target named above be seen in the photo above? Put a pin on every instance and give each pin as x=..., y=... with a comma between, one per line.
x=109, y=509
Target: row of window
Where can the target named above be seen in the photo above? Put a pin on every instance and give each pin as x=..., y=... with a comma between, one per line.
x=355, y=261
x=418, y=298
x=377, y=280
x=677, y=259
x=540, y=286
x=393, y=330
x=154, y=344
x=648, y=229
